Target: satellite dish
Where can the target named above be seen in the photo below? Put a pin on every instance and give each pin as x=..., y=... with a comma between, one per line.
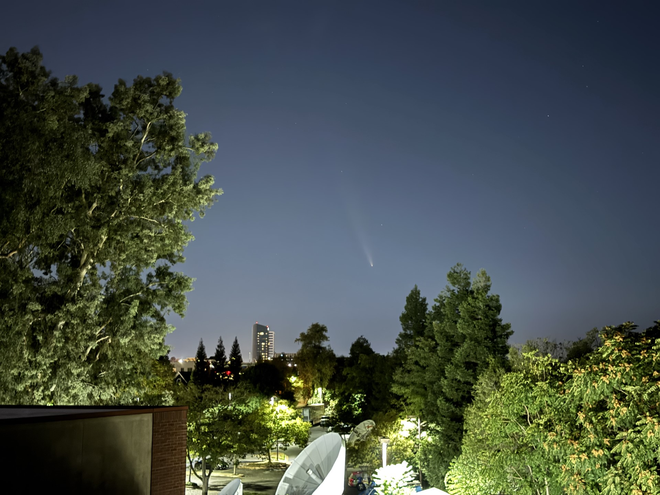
x=361, y=432
x=234, y=487
x=433, y=491
x=318, y=469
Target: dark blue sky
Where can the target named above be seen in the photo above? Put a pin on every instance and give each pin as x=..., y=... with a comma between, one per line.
x=520, y=137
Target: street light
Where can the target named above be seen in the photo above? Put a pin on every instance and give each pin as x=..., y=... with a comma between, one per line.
x=384, y=441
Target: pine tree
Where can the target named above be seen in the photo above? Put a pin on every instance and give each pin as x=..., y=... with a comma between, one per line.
x=201, y=375
x=235, y=360
x=219, y=360
x=470, y=336
x=463, y=335
x=413, y=325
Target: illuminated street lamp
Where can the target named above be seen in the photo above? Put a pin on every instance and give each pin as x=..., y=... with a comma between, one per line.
x=384, y=441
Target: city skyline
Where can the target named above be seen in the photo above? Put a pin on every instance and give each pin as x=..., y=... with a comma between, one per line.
x=367, y=147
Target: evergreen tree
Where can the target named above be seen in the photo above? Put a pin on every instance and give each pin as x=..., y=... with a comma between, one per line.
x=235, y=360
x=463, y=335
x=413, y=324
x=416, y=378
x=219, y=361
x=201, y=375
x=95, y=196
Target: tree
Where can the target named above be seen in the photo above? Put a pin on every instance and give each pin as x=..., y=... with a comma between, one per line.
x=315, y=360
x=95, y=198
x=413, y=324
x=235, y=360
x=220, y=358
x=502, y=450
x=220, y=425
x=267, y=378
x=219, y=362
x=582, y=427
x=463, y=334
x=364, y=389
x=157, y=387
x=280, y=423
x=201, y=375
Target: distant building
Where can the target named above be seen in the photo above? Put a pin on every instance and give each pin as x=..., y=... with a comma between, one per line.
x=183, y=365
x=271, y=344
x=263, y=343
x=288, y=357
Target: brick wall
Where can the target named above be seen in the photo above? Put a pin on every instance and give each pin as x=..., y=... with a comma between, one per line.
x=168, y=454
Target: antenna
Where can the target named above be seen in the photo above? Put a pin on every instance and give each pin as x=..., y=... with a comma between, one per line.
x=234, y=487
x=318, y=469
x=361, y=432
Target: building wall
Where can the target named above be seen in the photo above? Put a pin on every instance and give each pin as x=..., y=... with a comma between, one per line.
x=127, y=453
x=168, y=471
x=104, y=456
x=271, y=344
x=259, y=342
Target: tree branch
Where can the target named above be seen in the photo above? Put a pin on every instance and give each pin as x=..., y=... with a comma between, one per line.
x=144, y=138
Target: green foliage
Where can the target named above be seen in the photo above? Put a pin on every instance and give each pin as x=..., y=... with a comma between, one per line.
x=413, y=324
x=365, y=386
x=402, y=434
x=501, y=451
x=463, y=334
x=95, y=194
x=220, y=425
x=585, y=427
x=315, y=360
x=279, y=422
x=395, y=479
x=157, y=387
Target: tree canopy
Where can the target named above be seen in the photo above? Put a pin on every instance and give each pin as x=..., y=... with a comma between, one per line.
x=582, y=427
x=365, y=385
x=315, y=359
x=95, y=193
x=463, y=334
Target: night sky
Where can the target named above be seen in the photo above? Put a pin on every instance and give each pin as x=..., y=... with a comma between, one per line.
x=520, y=137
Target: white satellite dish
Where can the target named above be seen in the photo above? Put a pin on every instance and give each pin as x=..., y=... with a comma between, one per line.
x=318, y=469
x=433, y=491
x=234, y=487
x=361, y=432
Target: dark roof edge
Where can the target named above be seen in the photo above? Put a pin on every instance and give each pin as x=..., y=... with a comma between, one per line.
x=95, y=412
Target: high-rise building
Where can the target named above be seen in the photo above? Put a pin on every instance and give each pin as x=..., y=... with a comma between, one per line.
x=263, y=342
x=271, y=344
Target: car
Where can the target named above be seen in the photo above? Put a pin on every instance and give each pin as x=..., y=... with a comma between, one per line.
x=325, y=421
x=341, y=428
x=223, y=464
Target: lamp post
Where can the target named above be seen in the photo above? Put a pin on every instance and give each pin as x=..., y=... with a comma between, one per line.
x=383, y=442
